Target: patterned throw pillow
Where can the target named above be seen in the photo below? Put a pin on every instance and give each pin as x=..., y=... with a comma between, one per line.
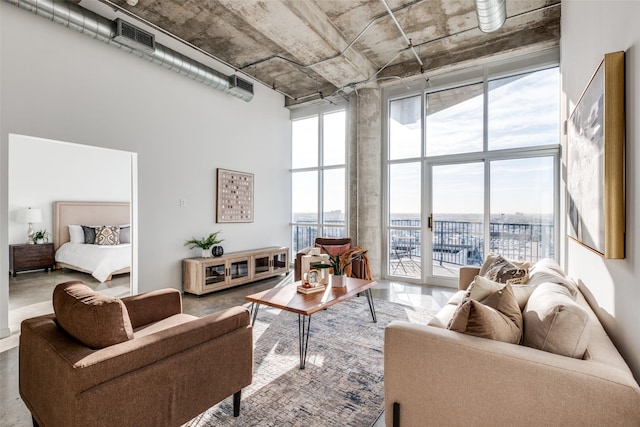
x=108, y=235
x=503, y=271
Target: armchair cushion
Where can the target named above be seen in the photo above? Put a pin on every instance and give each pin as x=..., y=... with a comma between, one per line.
x=96, y=320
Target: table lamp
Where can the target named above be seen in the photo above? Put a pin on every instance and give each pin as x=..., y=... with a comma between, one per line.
x=30, y=216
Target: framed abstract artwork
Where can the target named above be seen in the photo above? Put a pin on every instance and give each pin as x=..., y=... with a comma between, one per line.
x=234, y=198
x=595, y=162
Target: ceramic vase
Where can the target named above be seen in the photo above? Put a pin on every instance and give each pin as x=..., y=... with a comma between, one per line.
x=217, y=251
x=337, y=281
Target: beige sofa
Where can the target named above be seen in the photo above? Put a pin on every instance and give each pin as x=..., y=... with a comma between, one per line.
x=435, y=376
x=138, y=361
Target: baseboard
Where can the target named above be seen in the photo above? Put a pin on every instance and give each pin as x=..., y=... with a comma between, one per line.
x=5, y=332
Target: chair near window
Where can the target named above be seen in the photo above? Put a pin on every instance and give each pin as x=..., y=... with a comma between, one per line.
x=336, y=246
x=402, y=253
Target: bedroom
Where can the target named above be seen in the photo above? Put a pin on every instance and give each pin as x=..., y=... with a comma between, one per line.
x=38, y=181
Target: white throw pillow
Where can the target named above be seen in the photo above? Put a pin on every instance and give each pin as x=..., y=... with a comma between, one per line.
x=76, y=235
x=481, y=287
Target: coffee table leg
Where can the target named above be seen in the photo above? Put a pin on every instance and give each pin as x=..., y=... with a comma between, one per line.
x=303, y=337
x=254, y=312
x=371, y=307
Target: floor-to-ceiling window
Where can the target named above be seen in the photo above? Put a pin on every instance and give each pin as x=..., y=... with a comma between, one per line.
x=318, y=177
x=472, y=167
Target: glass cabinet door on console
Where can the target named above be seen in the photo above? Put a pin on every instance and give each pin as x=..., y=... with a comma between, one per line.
x=280, y=262
x=214, y=274
x=261, y=265
x=239, y=270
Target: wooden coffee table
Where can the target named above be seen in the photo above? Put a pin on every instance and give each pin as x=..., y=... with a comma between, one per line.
x=289, y=299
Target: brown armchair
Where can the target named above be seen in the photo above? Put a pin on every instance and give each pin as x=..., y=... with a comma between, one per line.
x=342, y=245
x=103, y=361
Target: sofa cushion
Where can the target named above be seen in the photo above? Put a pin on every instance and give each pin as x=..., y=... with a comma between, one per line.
x=554, y=322
x=497, y=317
x=503, y=271
x=548, y=270
x=95, y=320
x=481, y=288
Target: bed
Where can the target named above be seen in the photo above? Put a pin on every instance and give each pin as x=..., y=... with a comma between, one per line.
x=101, y=261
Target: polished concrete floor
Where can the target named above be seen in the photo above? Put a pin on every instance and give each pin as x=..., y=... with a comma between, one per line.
x=30, y=295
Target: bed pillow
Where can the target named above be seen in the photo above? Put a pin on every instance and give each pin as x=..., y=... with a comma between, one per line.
x=108, y=235
x=76, y=234
x=497, y=317
x=125, y=233
x=96, y=320
x=89, y=234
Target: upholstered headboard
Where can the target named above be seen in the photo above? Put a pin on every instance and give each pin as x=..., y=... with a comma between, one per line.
x=86, y=213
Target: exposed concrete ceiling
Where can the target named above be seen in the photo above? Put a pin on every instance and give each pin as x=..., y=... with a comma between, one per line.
x=312, y=49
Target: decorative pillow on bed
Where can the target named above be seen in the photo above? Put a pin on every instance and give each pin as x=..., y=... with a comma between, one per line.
x=95, y=320
x=76, y=234
x=125, y=233
x=89, y=234
x=108, y=235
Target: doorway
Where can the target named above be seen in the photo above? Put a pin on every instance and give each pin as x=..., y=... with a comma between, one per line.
x=42, y=171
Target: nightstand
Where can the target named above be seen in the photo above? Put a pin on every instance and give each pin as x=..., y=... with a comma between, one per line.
x=30, y=257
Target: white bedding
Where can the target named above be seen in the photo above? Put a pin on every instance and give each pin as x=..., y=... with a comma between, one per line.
x=100, y=261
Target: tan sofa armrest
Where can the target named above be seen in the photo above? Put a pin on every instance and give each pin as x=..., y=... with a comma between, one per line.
x=467, y=274
x=451, y=378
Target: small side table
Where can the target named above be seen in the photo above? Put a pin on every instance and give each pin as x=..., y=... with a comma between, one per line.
x=31, y=257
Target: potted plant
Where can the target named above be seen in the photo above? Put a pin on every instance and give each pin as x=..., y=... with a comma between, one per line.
x=41, y=236
x=338, y=268
x=205, y=243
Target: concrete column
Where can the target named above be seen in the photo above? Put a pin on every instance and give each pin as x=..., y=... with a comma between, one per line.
x=366, y=176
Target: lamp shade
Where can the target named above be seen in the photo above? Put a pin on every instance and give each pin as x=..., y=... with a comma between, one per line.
x=491, y=14
x=28, y=216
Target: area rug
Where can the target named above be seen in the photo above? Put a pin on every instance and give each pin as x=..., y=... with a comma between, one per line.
x=342, y=383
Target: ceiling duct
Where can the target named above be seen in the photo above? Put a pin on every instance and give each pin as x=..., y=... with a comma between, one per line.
x=240, y=85
x=134, y=37
x=491, y=14
x=86, y=22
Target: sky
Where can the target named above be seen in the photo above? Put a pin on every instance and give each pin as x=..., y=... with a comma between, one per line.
x=522, y=111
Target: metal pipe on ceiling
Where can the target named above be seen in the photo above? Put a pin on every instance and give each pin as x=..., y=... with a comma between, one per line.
x=86, y=22
x=491, y=14
x=407, y=39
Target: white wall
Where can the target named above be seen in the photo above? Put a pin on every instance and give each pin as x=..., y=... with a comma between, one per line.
x=42, y=171
x=589, y=30
x=58, y=84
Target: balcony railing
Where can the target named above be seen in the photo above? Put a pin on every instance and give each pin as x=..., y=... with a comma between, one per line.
x=455, y=243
